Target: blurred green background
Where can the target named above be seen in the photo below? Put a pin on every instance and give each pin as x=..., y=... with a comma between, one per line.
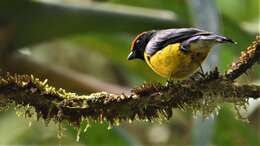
x=82, y=45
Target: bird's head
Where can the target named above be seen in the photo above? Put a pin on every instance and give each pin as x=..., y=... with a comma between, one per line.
x=139, y=44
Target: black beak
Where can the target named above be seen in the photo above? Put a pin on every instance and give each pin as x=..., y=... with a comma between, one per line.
x=131, y=56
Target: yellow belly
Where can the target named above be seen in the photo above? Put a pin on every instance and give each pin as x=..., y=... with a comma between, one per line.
x=171, y=62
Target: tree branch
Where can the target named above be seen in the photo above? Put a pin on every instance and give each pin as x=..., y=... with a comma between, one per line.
x=150, y=101
x=247, y=59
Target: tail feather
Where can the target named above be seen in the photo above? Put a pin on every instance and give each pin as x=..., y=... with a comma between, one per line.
x=208, y=40
x=222, y=39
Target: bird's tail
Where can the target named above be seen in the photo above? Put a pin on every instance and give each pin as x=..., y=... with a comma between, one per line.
x=219, y=39
x=206, y=41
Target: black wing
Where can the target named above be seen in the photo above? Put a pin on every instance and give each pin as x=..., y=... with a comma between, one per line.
x=163, y=38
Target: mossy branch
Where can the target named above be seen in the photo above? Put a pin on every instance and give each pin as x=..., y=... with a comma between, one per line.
x=150, y=101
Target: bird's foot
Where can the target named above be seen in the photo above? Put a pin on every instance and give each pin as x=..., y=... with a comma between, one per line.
x=169, y=82
x=202, y=73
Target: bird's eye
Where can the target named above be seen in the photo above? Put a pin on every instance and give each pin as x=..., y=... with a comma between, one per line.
x=137, y=41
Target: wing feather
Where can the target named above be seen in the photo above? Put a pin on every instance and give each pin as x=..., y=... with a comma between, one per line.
x=163, y=38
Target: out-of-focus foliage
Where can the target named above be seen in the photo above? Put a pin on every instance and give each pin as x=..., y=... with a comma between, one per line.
x=98, y=134
x=29, y=132
x=239, y=10
x=178, y=6
x=230, y=131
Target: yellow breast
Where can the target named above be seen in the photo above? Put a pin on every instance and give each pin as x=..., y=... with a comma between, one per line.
x=171, y=62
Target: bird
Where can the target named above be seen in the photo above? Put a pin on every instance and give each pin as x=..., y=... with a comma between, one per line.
x=174, y=53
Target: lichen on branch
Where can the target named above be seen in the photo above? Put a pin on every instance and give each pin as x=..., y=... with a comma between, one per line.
x=246, y=60
x=149, y=101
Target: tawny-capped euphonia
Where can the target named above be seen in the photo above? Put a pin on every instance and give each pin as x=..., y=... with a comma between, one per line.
x=174, y=53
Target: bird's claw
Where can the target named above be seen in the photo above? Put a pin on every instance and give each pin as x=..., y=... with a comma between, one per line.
x=202, y=74
x=169, y=82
